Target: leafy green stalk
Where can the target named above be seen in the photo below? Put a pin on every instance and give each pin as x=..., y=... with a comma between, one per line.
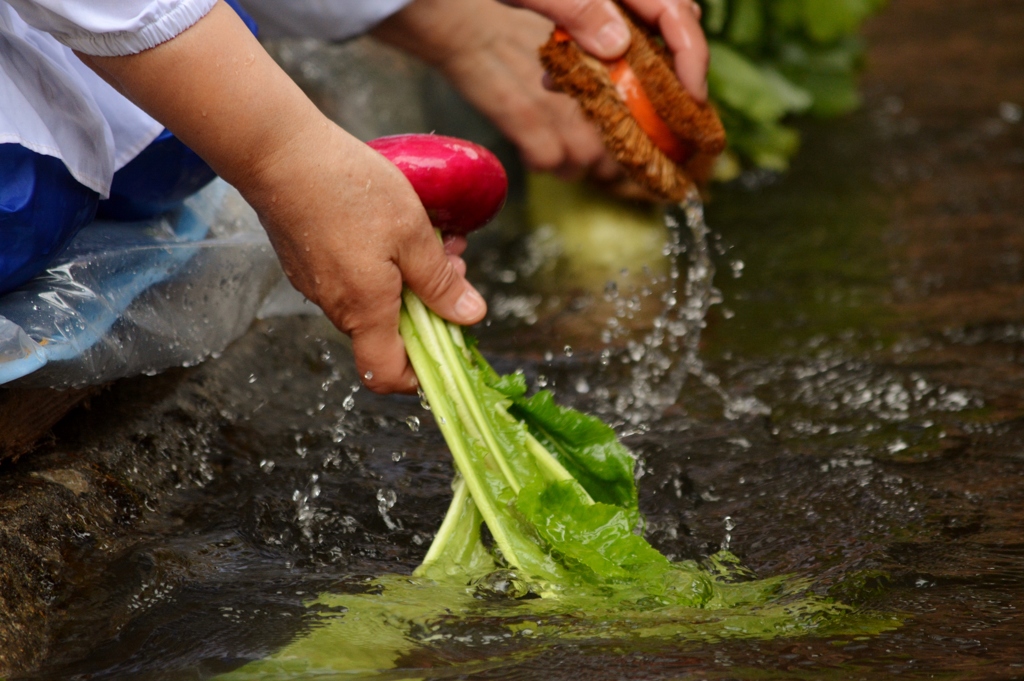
x=436, y=379
x=554, y=487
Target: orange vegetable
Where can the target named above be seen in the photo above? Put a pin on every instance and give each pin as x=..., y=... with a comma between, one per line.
x=632, y=92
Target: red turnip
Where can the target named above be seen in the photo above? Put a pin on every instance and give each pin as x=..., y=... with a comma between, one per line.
x=461, y=184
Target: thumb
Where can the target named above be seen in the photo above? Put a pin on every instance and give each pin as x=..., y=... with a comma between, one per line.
x=430, y=274
x=595, y=24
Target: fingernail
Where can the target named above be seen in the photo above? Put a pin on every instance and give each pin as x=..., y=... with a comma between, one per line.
x=613, y=38
x=702, y=91
x=469, y=305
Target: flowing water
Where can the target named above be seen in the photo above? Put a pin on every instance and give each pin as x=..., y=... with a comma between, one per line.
x=828, y=383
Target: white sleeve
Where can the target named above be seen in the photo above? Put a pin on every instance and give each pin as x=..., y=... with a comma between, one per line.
x=323, y=19
x=111, y=28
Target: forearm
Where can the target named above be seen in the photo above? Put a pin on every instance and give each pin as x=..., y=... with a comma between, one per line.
x=218, y=90
x=346, y=224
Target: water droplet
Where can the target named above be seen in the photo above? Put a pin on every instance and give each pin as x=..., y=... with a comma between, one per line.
x=348, y=403
x=737, y=268
x=1010, y=112
x=368, y=375
x=567, y=350
x=897, y=446
x=542, y=381
x=397, y=456
x=548, y=356
x=252, y=378
x=385, y=502
x=423, y=399
x=414, y=423
x=582, y=387
x=267, y=465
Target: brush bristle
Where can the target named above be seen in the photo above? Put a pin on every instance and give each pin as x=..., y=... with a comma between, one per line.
x=586, y=79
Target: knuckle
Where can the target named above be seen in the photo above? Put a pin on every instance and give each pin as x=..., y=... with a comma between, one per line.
x=439, y=281
x=577, y=11
x=381, y=385
x=544, y=158
x=344, y=319
x=587, y=154
x=356, y=313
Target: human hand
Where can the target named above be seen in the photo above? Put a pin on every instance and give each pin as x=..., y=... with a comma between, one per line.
x=348, y=235
x=598, y=27
x=489, y=53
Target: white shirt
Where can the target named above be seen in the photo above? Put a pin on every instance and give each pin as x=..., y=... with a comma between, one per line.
x=53, y=104
x=324, y=19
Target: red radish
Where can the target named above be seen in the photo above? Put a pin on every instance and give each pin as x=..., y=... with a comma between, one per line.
x=461, y=184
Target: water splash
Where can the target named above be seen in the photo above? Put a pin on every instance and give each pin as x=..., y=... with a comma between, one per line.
x=667, y=355
x=386, y=499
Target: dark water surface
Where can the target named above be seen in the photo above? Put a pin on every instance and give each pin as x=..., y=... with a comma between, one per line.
x=867, y=432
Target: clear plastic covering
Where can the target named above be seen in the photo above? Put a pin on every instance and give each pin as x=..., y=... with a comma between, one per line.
x=138, y=298
x=130, y=298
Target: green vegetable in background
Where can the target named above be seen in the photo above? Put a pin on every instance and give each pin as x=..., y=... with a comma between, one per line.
x=771, y=59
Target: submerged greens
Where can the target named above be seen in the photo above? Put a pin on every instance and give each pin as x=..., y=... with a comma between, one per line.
x=562, y=557
x=399, y=627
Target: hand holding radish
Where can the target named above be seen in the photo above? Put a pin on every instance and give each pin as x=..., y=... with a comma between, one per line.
x=350, y=230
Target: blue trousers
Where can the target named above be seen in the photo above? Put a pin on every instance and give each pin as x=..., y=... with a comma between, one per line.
x=42, y=206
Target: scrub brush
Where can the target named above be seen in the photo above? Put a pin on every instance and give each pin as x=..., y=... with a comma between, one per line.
x=665, y=139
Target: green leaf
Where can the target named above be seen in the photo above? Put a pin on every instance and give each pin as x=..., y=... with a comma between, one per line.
x=715, y=13
x=405, y=628
x=759, y=93
x=586, y=446
x=596, y=536
x=746, y=25
x=787, y=15
x=834, y=94
x=827, y=73
x=782, y=57
x=829, y=20
x=768, y=145
x=511, y=385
